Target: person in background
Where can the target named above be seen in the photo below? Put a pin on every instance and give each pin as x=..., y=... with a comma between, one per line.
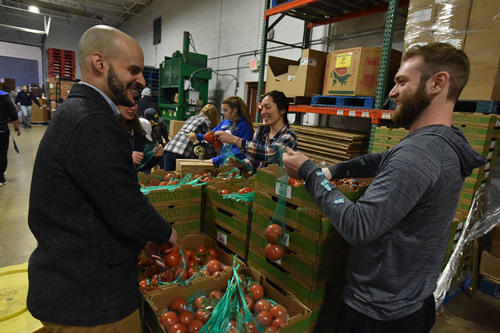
x=160, y=130
x=139, y=130
x=399, y=229
x=24, y=97
x=269, y=140
x=86, y=210
x=146, y=102
x=8, y=113
x=181, y=147
x=236, y=122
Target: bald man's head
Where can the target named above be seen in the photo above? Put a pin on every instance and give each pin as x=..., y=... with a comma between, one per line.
x=103, y=39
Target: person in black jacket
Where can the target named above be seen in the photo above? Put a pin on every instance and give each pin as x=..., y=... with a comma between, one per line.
x=86, y=211
x=160, y=130
x=140, y=139
x=146, y=102
x=25, y=97
x=7, y=112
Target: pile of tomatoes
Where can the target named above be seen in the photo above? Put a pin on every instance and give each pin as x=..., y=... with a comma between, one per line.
x=206, y=177
x=169, y=179
x=183, y=317
x=242, y=190
x=200, y=262
x=274, y=234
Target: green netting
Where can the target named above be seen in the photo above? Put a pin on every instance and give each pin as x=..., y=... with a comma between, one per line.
x=149, y=153
x=245, y=197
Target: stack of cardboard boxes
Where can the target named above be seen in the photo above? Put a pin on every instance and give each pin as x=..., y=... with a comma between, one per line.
x=471, y=25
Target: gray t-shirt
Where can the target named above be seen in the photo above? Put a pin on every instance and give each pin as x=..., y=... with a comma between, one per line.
x=399, y=228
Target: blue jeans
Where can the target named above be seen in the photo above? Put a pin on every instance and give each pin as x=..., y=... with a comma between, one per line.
x=26, y=109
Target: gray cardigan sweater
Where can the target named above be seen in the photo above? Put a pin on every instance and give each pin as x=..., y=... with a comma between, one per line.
x=399, y=228
x=89, y=217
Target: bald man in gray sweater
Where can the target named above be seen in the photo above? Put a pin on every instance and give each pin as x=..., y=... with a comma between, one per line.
x=399, y=228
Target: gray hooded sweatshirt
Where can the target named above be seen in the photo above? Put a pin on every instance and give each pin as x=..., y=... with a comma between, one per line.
x=400, y=227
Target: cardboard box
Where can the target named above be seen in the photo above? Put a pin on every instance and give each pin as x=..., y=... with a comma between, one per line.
x=240, y=209
x=192, y=164
x=484, y=15
x=483, y=84
x=227, y=238
x=8, y=83
x=489, y=121
x=437, y=21
x=175, y=127
x=40, y=114
x=185, y=228
x=309, y=296
x=354, y=72
x=228, y=221
x=312, y=225
x=301, y=77
x=490, y=266
x=299, y=315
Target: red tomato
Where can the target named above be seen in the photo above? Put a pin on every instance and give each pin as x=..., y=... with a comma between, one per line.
x=173, y=182
x=250, y=302
x=215, y=295
x=271, y=329
x=182, y=272
x=197, y=176
x=168, y=319
x=257, y=292
x=167, y=276
x=217, y=144
x=212, y=253
x=162, y=184
x=278, y=322
x=216, y=274
x=203, y=273
x=197, y=261
x=195, y=326
x=209, y=137
x=189, y=254
x=261, y=305
x=207, y=259
x=294, y=182
x=164, y=247
x=201, y=249
x=168, y=177
x=172, y=259
x=178, y=304
x=186, y=317
x=274, y=251
x=206, y=179
x=264, y=318
x=191, y=264
x=144, y=263
x=251, y=328
x=278, y=311
x=178, y=328
x=214, y=266
x=147, y=286
x=203, y=315
x=273, y=233
x=191, y=271
x=223, y=192
x=200, y=303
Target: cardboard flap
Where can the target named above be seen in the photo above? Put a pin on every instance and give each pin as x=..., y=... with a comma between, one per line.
x=490, y=266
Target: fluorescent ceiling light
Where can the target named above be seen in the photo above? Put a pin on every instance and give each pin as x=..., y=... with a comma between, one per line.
x=34, y=9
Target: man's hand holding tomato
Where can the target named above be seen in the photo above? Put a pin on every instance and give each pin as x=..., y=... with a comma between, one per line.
x=226, y=137
x=151, y=248
x=292, y=161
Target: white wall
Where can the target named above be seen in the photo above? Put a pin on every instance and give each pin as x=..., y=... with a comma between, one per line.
x=23, y=52
x=222, y=29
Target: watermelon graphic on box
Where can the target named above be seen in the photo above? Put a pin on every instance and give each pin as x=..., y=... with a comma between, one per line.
x=354, y=72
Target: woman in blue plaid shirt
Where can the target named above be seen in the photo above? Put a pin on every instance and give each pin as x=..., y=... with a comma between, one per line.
x=181, y=146
x=269, y=140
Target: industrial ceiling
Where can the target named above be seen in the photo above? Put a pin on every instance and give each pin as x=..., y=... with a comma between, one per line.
x=35, y=26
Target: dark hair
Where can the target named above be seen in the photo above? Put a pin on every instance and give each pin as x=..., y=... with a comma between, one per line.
x=281, y=101
x=443, y=57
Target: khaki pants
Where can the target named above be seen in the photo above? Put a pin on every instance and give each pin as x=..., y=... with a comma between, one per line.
x=130, y=324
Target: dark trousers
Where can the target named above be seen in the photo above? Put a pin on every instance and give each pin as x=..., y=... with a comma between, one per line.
x=4, y=147
x=348, y=320
x=170, y=160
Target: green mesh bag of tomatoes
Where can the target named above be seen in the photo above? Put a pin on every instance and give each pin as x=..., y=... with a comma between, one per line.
x=202, y=262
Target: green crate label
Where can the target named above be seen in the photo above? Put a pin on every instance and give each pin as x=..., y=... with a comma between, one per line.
x=167, y=195
x=181, y=211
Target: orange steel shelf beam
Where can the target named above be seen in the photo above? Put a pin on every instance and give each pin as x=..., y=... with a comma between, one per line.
x=374, y=115
x=287, y=6
x=361, y=13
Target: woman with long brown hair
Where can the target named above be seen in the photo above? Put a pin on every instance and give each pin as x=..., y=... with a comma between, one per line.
x=237, y=122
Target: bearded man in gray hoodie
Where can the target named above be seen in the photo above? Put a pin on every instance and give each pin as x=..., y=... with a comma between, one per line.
x=398, y=230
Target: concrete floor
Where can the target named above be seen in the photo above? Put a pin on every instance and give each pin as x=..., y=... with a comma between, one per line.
x=461, y=314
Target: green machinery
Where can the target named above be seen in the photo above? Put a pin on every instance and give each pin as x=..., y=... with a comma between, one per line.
x=183, y=86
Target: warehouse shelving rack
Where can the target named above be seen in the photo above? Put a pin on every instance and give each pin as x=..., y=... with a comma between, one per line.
x=320, y=12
